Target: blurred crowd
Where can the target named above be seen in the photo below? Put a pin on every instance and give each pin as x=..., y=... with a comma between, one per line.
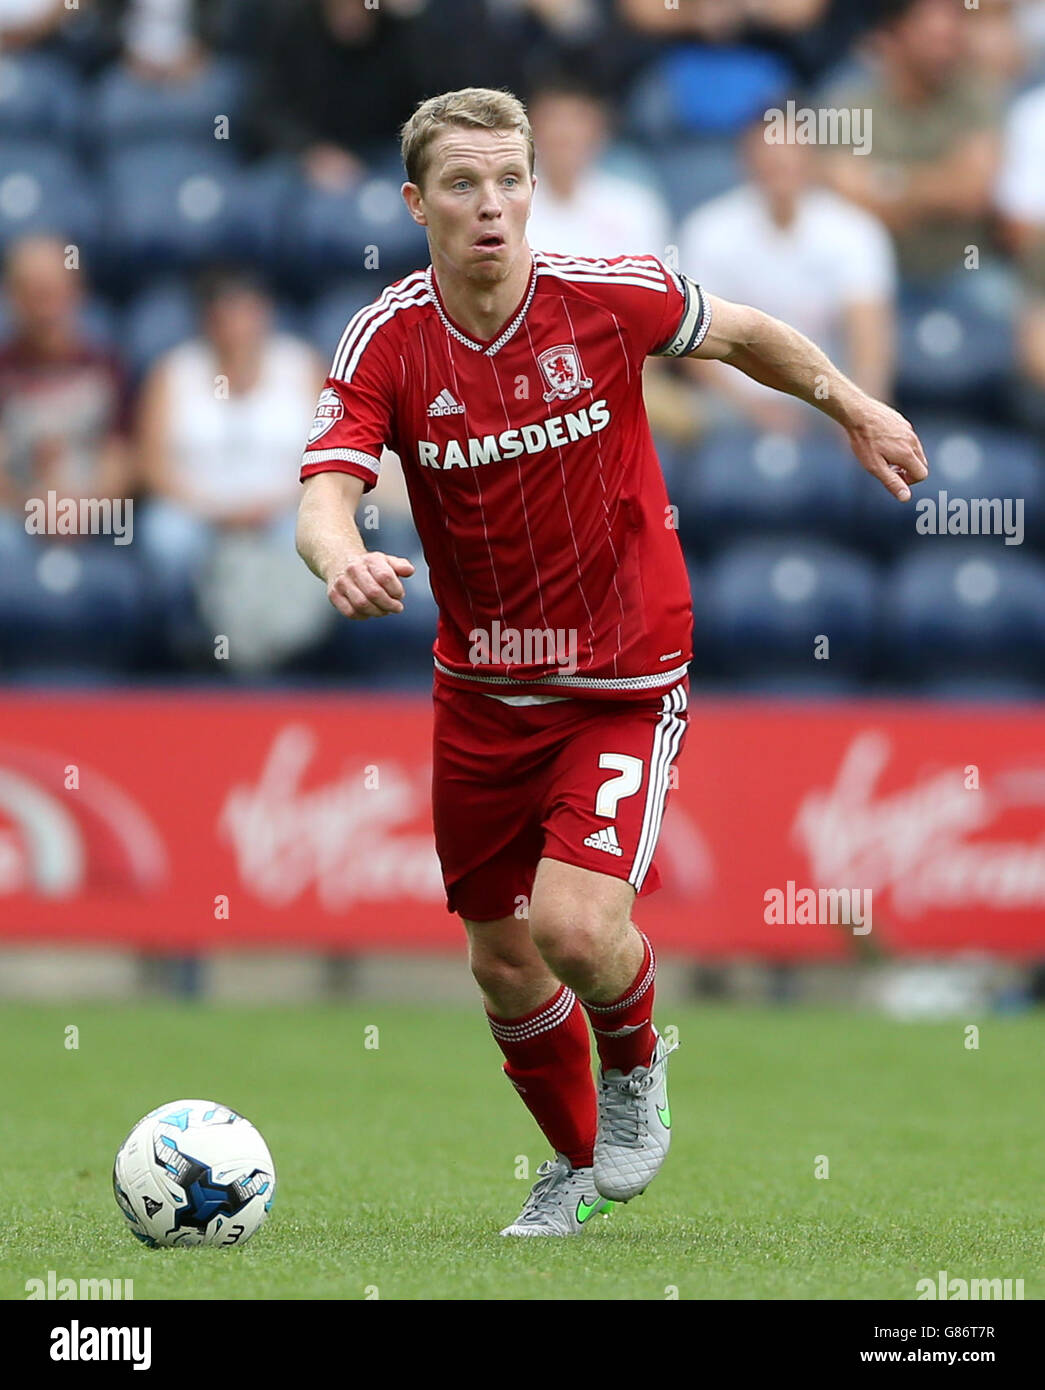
x=196, y=195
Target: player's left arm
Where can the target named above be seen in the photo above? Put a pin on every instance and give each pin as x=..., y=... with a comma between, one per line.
x=777, y=355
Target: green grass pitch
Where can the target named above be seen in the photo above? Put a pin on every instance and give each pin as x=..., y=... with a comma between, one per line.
x=397, y=1164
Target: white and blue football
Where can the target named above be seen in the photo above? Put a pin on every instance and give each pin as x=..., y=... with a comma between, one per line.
x=194, y=1173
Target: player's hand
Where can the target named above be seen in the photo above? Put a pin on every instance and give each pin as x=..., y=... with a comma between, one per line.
x=887, y=446
x=369, y=586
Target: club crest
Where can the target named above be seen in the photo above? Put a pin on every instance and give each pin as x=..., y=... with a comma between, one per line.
x=563, y=372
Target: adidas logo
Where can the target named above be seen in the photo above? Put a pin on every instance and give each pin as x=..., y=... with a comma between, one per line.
x=444, y=404
x=605, y=839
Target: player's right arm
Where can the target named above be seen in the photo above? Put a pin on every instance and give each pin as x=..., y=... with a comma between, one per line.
x=342, y=461
x=360, y=583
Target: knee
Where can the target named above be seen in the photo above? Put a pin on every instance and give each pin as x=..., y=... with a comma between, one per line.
x=502, y=973
x=570, y=941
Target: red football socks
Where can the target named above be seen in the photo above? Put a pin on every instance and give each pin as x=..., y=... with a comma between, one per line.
x=624, y=1028
x=549, y=1063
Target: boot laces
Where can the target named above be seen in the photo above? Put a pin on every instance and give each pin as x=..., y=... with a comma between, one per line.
x=624, y=1120
x=550, y=1174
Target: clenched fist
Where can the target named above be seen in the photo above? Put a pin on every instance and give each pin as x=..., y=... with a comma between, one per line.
x=369, y=586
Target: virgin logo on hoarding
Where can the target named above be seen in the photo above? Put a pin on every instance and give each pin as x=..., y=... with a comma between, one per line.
x=344, y=838
x=67, y=829
x=351, y=842
x=926, y=843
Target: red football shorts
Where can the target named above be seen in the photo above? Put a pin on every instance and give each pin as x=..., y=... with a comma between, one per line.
x=584, y=781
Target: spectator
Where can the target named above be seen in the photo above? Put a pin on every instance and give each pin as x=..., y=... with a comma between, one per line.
x=1021, y=205
x=804, y=254
x=335, y=82
x=162, y=40
x=159, y=40
x=584, y=210
x=930, y=171
x=1004, y=52
x=223, y=417
x=580, y=208
x=584, y=36
x=514, y=43
x=63, y=400
x=712, y=65
x=27, y=22
x=718, y=20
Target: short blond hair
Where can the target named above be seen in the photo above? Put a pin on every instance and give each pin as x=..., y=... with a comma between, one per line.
x=488, y=108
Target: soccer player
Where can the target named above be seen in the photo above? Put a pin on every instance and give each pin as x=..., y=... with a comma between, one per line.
x=509, y=382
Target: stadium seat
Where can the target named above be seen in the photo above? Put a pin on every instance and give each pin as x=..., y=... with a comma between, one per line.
x=171, y=205
x=40, y=98
x=54, y=677
x=966, y=460
x=336, y=233
x=267, y=195
x=767, y=601
x=326, y=320
x=703, y=88
x=967, y=608
x=952, y=353
x=984, y=689
x=743, y=480
x=157, y=319
x=41, y=190
x=827, y=685
x=73, y=605
x=129, y=110
x=987, y=461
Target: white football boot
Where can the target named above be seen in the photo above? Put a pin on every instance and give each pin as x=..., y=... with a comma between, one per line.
x=561, y=1203
x=634, y=1126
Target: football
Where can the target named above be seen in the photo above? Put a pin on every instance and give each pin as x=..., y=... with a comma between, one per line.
x=194, y=1173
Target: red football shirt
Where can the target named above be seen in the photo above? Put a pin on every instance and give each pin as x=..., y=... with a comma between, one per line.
x=533, y=480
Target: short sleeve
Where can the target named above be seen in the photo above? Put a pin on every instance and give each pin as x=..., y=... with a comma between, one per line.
x=692, y=322
x=353, y=419
x=665, y=313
